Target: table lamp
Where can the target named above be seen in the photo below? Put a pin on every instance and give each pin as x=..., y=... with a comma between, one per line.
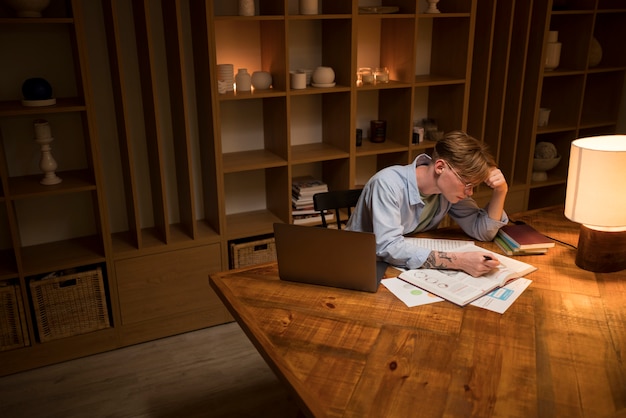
x=596, y=198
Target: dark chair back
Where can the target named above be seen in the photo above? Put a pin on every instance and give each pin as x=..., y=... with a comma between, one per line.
x=335, y=201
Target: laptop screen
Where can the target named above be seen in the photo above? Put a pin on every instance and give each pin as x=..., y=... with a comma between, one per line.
x=327, y=257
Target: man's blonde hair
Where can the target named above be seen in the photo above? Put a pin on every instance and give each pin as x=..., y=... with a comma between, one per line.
x=468, y=156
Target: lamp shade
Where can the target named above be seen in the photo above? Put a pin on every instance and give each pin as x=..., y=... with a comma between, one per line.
x=596, y=182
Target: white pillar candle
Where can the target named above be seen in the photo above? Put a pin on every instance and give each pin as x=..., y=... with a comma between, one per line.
x=42, y=129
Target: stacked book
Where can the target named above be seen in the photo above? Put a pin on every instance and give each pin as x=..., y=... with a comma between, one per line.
x=302, y=191
x=522, y=239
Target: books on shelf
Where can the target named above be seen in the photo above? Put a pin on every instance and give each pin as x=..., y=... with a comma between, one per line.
x=313, y=218
x=462, y=288
x=310, y=213
x=302, y=190
x=307, y=186
x=524, y=237
x=301, y=203
x=304, y=211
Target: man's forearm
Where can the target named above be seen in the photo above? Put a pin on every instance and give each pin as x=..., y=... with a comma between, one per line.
x=440, y=260
x=495, y=207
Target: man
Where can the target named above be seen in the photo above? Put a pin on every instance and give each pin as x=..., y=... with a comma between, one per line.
x=401, y=200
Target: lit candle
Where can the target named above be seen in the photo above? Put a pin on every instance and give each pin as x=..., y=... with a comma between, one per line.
x=381, y=75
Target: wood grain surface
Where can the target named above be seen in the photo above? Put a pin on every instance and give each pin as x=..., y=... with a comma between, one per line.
x=556, y=352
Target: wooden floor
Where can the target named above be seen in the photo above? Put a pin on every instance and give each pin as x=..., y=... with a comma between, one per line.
x=215, y=372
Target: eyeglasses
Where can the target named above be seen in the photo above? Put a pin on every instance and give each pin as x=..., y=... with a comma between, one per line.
x=468, y=186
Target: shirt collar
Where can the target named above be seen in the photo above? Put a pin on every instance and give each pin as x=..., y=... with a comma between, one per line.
x=414, y=194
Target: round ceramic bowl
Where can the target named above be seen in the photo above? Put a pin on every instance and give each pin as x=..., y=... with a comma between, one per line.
x=323, y=75
x=545, y=164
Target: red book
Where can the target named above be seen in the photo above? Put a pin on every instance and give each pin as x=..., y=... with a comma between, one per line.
x=525, y=237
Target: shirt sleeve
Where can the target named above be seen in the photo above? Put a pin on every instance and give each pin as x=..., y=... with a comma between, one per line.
x=390, y=207
x=391, y=245
x=388, y=226
x=475, y=221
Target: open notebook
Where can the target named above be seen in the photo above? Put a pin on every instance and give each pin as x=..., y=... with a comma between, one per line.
x=328, y=257
x=461, y=288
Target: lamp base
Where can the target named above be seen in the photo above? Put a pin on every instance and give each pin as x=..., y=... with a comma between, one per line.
x=600, y=251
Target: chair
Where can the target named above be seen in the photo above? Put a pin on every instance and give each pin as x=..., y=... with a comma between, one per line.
x=334, y=201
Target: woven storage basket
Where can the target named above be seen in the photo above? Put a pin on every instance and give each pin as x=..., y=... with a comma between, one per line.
x=69, y=305
x=253, y=252
x=13, y=331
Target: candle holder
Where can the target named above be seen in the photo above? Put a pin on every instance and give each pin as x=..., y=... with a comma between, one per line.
x=365, y=76
x=432, y=6
x=47, y=163
x=381, y=75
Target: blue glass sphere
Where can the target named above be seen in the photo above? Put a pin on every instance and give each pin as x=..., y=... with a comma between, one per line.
x=36, y=89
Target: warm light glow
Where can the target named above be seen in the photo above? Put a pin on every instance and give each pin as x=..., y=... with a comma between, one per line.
x=596, y=182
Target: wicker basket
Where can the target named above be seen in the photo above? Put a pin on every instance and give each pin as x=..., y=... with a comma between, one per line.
x=253, y=252
x=69, y=305
x=13, y=331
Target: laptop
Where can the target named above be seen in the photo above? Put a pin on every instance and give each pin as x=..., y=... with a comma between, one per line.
x=328, y=257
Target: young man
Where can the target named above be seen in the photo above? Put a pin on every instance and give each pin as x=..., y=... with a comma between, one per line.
x=401, y=200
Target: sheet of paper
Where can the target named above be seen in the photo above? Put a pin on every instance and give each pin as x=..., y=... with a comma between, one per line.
x=409, y=294
x=439, y=244
x=500, y=299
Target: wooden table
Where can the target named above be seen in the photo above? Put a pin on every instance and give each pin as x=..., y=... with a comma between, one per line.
x=559, y=350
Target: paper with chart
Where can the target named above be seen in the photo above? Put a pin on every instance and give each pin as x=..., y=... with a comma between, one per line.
x=498, y=300
x=409, y=294
x=501, y=298
x=462, y=288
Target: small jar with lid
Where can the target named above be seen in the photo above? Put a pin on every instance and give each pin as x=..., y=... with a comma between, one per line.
x=378, y=131
x=365, y=76
x=381, y=75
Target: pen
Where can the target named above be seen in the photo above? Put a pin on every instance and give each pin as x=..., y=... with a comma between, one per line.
x=486, y=257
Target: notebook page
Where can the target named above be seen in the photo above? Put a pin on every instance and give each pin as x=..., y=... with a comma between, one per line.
x=439, y=244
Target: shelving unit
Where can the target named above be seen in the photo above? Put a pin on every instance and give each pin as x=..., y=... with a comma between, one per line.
x=510, y=84
x=312, y=131
x=584, y=99
x=39, y=228
x=189, y=170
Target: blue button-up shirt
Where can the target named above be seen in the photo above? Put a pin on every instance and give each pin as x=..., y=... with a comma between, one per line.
x=390, y=207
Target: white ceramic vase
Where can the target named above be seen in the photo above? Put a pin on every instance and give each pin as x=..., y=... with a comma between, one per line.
x=543, y=117
x=553, y=51
x=246, y=7
x=595, y=53
x=243, y=80
x=309, y=7
x=261, y=80
x=323, y=75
